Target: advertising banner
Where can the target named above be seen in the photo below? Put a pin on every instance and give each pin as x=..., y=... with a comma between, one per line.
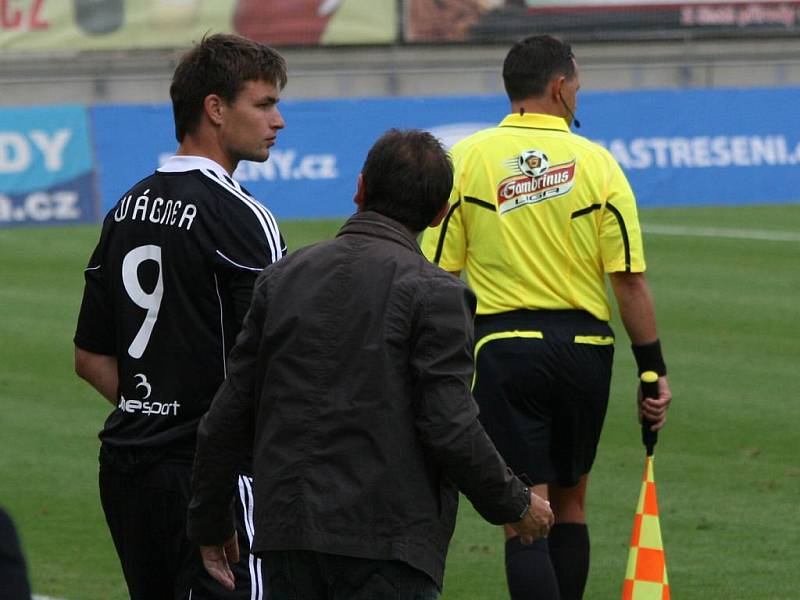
x=58, y=25
x=701, y=147
x=46, y=170
x=688, y=147
x=314, y=22
x=312, y=169
x=510, y=20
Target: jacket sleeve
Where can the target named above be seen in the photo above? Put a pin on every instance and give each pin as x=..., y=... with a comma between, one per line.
x=445, y=412
x=225, y=434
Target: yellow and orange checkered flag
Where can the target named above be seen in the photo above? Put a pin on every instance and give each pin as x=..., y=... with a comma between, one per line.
x=646, y=575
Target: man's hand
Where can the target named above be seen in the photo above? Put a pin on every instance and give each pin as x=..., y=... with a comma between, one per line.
x=536, y=522
x=217, y=559
x=654, y=410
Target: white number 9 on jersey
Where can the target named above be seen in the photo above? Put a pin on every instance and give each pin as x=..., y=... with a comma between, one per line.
x=149, y=301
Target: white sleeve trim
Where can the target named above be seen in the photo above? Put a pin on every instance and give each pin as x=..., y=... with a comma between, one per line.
x=235, y=264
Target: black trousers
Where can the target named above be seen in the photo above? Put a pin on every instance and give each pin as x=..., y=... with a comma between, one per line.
x=145, y=510
x=305, y=575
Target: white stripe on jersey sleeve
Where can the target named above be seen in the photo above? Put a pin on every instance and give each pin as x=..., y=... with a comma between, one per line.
x=235, y=264
x=222, y=329
x=263, y=215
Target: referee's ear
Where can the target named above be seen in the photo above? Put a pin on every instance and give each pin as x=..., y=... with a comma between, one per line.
x=359, y=196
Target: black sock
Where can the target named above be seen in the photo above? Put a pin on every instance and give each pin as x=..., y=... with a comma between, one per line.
x=569, y=552
x=529, y=571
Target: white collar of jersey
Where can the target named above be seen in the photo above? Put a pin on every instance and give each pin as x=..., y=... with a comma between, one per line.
x=181, y=164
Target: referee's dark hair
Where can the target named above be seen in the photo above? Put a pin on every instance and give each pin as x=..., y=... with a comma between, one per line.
x=220, y=64
x=407, y=177
x=533, y=62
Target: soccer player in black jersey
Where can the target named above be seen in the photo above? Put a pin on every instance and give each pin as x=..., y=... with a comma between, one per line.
x=166, y=291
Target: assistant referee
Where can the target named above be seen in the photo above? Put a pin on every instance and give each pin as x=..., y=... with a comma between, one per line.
x=538, y=216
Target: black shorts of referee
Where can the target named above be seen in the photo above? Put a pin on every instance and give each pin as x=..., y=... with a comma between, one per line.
x=542, y=381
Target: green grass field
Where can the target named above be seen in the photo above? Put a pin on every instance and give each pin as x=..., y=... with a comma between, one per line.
x=726, y=466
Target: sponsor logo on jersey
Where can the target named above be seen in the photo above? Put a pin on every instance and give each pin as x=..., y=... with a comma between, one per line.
x=147, y=408
x=537, y=180
x=533, y=163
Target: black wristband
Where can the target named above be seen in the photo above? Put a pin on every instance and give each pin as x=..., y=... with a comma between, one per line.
x=648, y=358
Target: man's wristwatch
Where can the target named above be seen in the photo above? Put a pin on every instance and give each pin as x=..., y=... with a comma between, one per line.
x=527, y=504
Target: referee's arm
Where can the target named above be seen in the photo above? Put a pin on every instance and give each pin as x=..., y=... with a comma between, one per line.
x=635, y=306
x=638, y=315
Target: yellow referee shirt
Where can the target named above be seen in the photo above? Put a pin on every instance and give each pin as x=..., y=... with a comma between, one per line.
x=537, y=216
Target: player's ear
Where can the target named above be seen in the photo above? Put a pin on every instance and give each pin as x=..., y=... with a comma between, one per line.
x=359, y=195
x=440, y=215
x=213, y=106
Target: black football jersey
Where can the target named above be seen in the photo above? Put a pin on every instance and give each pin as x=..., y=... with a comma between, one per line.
x=166, y=292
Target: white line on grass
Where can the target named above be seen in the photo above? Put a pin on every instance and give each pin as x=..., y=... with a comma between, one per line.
x=35, y=597
x=716, y=232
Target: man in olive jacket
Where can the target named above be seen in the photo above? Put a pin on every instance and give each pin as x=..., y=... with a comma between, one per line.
x=350, y=382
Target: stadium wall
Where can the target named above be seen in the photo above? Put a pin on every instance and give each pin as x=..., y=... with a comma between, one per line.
x=63, y=164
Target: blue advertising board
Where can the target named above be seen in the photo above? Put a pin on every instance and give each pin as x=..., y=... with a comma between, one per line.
x=683, y=147
x=312, y=169
x=46, y=170
x=701, y=147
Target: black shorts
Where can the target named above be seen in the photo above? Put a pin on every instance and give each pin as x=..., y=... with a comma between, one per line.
x=542, y=381
x=145, y=510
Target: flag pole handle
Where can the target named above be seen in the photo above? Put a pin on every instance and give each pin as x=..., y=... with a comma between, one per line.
x=649, y=382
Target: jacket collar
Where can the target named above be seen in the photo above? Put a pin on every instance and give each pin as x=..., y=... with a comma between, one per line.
x=535, y=121
x=375, y=224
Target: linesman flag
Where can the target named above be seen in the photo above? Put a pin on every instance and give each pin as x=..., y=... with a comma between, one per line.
x=646, y=575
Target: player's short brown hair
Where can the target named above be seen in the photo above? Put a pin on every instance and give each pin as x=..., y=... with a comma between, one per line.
x=220, y=64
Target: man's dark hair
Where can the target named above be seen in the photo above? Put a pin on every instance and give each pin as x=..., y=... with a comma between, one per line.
x=533, y=62
x=407, y=177
x=220, y=64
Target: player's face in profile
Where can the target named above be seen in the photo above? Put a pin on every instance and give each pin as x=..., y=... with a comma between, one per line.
x=252, y=121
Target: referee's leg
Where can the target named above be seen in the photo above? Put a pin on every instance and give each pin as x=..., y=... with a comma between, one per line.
x=512, y=388
x=529, y=569
x=569, y=538
x=578, y=423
